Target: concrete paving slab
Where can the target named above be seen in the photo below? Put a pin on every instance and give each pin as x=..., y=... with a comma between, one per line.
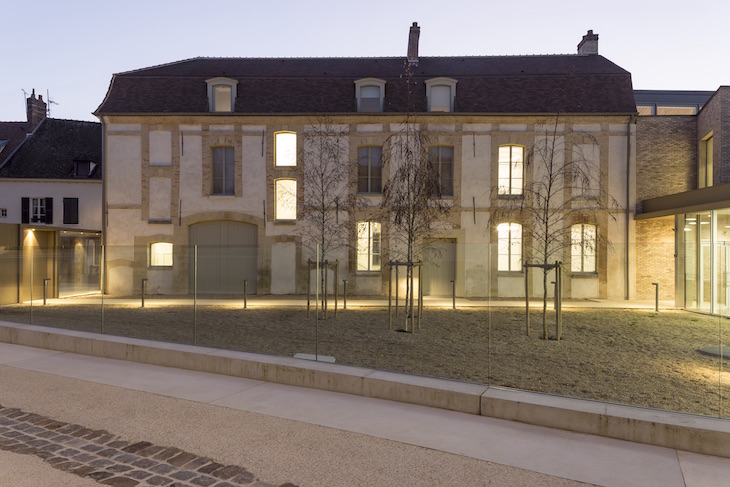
x=703, y=470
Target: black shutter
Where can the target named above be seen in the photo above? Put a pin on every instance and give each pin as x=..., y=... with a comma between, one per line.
x=71, y=211
x=25, y=210
x=49, y=211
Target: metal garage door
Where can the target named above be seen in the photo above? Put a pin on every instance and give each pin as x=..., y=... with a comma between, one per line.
x=439, y=267
x=227, y=255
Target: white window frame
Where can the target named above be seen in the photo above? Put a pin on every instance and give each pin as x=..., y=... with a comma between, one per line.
x=285, y=199
x=285, y=149
x=230, y=83
x=38, y=210
x=160, y=254
x=369, y=248
x=507, y=169
x=509, y=247
x=583, y=251
x=448, y=82
x=368, y=82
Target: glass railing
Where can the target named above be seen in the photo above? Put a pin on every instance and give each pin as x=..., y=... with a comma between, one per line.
x=468, y=321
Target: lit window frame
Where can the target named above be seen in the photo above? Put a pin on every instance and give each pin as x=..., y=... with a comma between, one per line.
x=161, y=254
x=285, y=200
x=509, y=247
x=285, y=148
x=507, y=184
x=583, y=248
x=368, y=256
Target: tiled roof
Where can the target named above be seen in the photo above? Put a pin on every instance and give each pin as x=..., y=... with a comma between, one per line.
x=51, y=151
x=14, y=133
x=507, y=84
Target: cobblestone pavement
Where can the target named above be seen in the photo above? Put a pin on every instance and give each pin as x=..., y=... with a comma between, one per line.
x=110, y=460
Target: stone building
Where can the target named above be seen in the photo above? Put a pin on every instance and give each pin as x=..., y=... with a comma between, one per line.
x=201, y=160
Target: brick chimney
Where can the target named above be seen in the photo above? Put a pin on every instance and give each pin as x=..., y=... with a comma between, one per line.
x=413, y=36
x=35, y=109
x=589, y=44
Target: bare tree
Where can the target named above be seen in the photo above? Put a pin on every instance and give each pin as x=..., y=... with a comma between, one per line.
x=412, y=196
x=563, y=187
x=325, y=196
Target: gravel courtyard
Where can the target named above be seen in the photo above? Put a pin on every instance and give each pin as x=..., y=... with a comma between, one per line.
x=635, y=357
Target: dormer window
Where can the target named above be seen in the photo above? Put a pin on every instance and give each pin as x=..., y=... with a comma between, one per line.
x=370, y=93
x=440, y=93
x=83, y=169
x=221, y=95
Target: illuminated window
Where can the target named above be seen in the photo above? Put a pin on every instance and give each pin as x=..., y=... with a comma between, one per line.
x=440, y=93
x=286, y=199
x=161, y=254
x=583, y=248
x=370, y=93
x=368, y=246
x=369, y=169
x=511, y=169
x=285, y=148
x=442, y=164
x=223, y=170
x=221, y=94
x=509, y=244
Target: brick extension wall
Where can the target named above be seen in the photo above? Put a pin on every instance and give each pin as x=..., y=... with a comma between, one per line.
x=655, y=257
x=666, y=154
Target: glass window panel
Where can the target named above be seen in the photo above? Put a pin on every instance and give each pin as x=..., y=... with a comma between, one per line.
x=222, y=98
x=161, y=254
x=504, y=153
x=286, y=149
x=286, y=199
x=441, y=98
x=517, y=153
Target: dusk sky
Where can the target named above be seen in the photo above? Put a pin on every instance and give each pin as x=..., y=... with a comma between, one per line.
x=71, y=49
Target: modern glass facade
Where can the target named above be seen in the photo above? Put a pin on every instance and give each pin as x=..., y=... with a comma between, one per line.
x=707, y=261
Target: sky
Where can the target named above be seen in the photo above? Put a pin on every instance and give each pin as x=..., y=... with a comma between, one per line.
x=69, y=50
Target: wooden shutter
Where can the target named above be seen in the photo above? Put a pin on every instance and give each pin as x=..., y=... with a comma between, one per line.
x=25, y=210
x=71, y=211
x=49, y=211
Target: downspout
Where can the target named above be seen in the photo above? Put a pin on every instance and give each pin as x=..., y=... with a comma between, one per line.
x=628, y=204
x=103, y=207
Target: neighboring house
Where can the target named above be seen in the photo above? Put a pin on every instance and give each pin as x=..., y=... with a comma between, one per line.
x=683, y=186
x=50, y=209
x=203, y=152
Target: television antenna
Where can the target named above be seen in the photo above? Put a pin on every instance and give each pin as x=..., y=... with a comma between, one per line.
x=50, y=102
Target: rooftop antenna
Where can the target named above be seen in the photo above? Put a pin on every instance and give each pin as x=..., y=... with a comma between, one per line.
x=50, y=102
x=25, y=97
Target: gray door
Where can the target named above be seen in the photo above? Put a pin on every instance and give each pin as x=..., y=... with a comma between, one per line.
x=227, y=255
x=439, y=267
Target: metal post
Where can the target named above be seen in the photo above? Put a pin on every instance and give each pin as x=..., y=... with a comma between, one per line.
x=245, y=293
x=453, y=295
x=527, y=302
x=556, y=294
x=309, y=283
x=337, y=280
x=45, y=288
x=101, y=278
x=344, y=294
x=413, y=328
x=195, y=295
x=144, y=288
x=656, y=301
x=397, y=285
x=420, y=296
x=326, y=281
x=390, y=298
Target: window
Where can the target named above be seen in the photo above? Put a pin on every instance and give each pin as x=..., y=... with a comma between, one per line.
x=368, y=246
x=586, y=171
x=37, y=210
x=71, y=211
x=370, y=93
x=286, y=199
x=442, y=164
x=161, y=254
x=223, y=171
x=369, y=169
x=440, y=93
x=509, y=247
x=3, y=143
x=511, y=167
x=583, y=248
x=285, y=149
x=706, y=161
x=84, y=169
x=221, y=94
